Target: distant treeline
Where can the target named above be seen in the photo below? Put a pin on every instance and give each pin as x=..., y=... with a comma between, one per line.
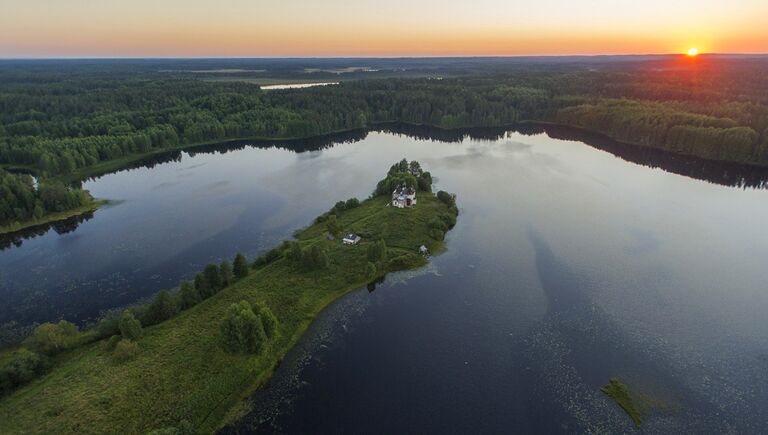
x=659, y=126
x=715, y=109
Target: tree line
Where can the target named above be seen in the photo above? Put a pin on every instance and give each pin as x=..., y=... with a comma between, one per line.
x=656, y=125
x=22, y=199
x=122, y=328
x=58, y=124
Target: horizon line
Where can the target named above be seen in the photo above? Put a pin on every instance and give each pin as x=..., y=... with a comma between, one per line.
x=467, y=56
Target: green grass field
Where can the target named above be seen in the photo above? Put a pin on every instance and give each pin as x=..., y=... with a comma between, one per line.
x=182, y=372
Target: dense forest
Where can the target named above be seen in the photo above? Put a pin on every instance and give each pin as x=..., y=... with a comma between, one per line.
x=21, y=200
x=57, y=123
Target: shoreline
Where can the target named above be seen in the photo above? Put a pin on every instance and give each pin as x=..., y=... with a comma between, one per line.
x=94, y=205
x=106, y=167
x=151, y=392
x=234, y=410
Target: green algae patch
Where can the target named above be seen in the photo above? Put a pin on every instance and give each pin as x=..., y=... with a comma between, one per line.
x=621, y=395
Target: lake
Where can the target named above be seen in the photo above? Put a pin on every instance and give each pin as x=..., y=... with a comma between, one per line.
x=569, y=264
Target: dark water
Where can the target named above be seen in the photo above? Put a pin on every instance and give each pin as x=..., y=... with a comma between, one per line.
x=568, y=266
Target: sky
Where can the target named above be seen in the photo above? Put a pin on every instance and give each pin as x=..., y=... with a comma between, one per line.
x=323, y=28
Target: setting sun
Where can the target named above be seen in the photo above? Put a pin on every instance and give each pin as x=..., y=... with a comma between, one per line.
x=693, y=51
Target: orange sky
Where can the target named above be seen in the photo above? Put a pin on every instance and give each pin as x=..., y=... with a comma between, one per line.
x=243, y=28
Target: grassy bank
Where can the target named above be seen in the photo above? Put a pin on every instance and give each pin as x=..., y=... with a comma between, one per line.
x=53, y=217
x=182, y=372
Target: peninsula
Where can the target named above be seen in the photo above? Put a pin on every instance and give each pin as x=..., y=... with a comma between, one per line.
x=216, y=341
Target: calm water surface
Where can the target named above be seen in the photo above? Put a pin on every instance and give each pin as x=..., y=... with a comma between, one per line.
x=568, y=266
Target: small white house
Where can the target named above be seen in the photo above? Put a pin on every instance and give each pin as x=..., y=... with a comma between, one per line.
x=351, y=239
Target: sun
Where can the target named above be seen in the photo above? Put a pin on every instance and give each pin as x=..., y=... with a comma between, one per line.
x=693, y=51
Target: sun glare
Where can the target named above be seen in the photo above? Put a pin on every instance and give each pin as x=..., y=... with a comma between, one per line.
x=693, y=51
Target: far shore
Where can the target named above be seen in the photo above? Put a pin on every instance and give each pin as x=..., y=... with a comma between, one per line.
x=106, y=167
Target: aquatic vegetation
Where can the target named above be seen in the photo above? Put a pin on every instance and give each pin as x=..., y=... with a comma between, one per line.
x=621, y=395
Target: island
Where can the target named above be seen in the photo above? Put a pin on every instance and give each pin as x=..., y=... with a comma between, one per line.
x=186, y=361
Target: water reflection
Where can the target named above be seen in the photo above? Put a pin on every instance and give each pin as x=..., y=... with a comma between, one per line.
x=59, y=227
x=398, y=352
x=265, y=197
x=567, y=266
x=295, y=145
x=722, y=173
x=578, y=346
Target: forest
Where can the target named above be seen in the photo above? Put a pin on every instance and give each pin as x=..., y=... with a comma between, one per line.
x=21, y=200
x=57, y=122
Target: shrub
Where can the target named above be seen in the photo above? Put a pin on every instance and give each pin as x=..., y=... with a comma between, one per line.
x=438, y=223
x=130, y=327
x=446, y=198
x=202, y=287
x=352, y=203
x=112, y=342
x=268, y=320
x=23, y=366
x=240, y=266
x=50, y=338
x=339, y=207
x=436, y=234
x=242, y=330
x=449, y=219
x=387, y=185
x=162, y=308
x=294, y=252
x=370, y=270
x=332, y=225
x=315, y=258
x=406, y=261
x=377, y=251
x=425, y=182
x=273, y=254
x=225, y=273
x=126, y=350
x=108, y=325
x=188, y=296
x=212, y=276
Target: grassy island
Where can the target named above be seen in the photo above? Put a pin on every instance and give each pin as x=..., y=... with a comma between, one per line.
x=178, y=373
